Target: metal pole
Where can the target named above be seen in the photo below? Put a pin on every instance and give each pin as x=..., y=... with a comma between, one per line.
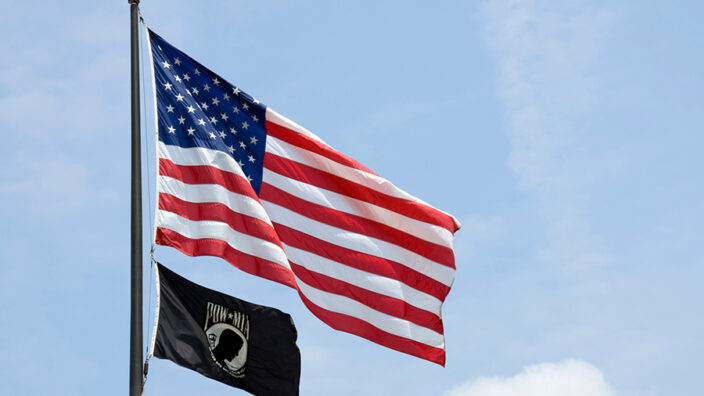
x=136, y=215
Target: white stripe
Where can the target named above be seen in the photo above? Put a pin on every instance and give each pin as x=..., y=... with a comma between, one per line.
x=202, y=193
x=360, y=243
x=196, y=156
x=303, y=156
x=217, y=230
x=372, y=282
x=278, y=119
x=390, y=324
x=343, y=203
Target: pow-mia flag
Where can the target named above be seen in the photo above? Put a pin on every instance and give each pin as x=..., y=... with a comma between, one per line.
x=245, y=345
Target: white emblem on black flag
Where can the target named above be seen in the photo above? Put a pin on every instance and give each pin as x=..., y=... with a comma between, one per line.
x=228, y=332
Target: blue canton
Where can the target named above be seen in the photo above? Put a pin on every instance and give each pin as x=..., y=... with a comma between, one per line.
x=198, y=108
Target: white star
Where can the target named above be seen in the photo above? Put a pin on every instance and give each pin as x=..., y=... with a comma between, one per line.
x=240, y=163
x=216, y=81
x=206, y=88
x=167, y=86
x=158, y=46
x=181, y=120
x=230, y=149
x=201, y=122
x=224, y=116
x=255, y=118
x=235, y=109
x=216, y=101
x=177, y=78
x=172, y=129
x=191, y=109
x=177, y=61
x=179, y=97
x=196, y=72
x=195, y=91
x=249, y=179
x=245, y=106
x=243, y=145
x=187, y=77
x=188, y=92
x=253, y=140
x=169, y=109
x=212, y=135
x=251, y=159
x=245, y=125
x=236, y=91
x=226, y=97
x=213, y=120
x=233, y=131
x=166, y=64
x=222, y=134
x=190, y=131
x=204, y=106
x=256, y=101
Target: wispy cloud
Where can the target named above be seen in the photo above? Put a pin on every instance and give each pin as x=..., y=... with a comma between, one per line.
x=546, y=54
x=566, y=378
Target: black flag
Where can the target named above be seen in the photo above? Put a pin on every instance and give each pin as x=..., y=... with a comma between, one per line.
x=245, y=345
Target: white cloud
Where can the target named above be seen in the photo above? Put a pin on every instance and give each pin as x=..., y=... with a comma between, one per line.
x=566, y=378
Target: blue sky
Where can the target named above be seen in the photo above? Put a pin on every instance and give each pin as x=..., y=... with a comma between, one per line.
x=565, y=136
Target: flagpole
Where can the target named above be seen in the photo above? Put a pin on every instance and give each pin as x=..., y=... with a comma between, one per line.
x=136, y=215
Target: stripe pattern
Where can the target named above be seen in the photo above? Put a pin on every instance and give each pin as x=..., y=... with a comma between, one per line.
x=365, y=257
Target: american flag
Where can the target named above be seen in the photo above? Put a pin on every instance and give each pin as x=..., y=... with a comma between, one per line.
x=239, y=181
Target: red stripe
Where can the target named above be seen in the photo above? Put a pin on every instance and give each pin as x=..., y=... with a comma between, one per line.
x=382, y=303
x=358, y=224
x=363, y=329
x=328, y=181
x=218, y=248
x=298, y=139
x=219, y=212
x=203, y=174
x=362, y=261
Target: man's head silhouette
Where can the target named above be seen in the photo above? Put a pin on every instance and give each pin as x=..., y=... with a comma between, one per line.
x=229, y=345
